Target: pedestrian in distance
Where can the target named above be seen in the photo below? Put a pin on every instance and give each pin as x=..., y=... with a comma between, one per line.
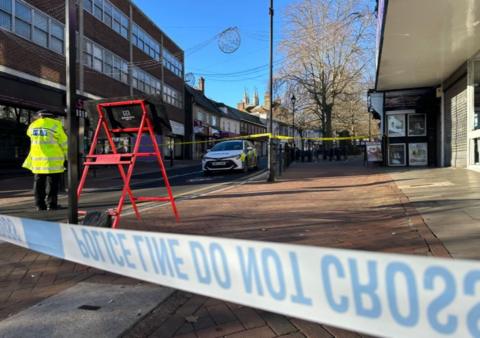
x=46, y=159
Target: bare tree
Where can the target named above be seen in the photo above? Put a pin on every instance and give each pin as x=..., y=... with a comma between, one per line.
x=327, y=53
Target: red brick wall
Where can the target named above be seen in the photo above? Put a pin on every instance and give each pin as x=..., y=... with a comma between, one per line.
x=24, y=56
x=106, y=37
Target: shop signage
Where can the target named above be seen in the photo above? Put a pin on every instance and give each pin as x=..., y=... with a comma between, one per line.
x=374, y=152
x=177, y=128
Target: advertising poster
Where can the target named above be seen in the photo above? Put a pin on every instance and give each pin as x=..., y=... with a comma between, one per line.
x=374, y=152
x=396, y=154
x=417, y=154
x=396, y=125
x=417, y=125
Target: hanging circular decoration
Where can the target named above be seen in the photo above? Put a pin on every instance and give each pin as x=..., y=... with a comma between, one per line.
x=190, y=79
x=229, y=40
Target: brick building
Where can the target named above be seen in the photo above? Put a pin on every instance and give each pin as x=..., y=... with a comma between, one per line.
x=122, y=52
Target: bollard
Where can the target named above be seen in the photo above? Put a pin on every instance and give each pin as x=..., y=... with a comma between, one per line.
x=280, y=159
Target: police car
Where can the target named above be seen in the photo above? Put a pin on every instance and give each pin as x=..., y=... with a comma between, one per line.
x=230, y=155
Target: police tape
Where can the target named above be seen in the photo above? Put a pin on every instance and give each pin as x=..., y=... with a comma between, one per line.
x=266, y=136
x=388, y=295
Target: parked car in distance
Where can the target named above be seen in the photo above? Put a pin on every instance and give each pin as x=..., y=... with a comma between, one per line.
x=230, y=155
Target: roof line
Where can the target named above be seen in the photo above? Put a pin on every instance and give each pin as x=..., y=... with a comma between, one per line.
x=379, y=58
x=156, y=26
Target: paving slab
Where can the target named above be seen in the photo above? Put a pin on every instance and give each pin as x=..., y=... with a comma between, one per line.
x=86, y=310
x=448, y=199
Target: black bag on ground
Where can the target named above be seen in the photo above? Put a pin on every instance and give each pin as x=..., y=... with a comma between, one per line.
x=98, y=219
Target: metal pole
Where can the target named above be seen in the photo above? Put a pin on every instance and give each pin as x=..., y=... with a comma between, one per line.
x=271, y=175
x=293, y=123
x=130, y=48
x=369, y=127
x=72, y=118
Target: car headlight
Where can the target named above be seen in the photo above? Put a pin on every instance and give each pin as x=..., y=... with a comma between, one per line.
x=237, y=157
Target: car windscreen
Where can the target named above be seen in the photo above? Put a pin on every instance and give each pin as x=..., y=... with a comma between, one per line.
x=237, y=145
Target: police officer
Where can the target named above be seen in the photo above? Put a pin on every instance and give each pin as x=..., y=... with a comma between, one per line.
x=48, y=151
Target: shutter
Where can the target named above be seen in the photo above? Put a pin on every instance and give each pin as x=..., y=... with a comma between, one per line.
x=456, y=124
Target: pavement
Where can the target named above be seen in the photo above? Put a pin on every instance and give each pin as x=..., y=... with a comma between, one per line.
x=330, y=204
x=448, y=199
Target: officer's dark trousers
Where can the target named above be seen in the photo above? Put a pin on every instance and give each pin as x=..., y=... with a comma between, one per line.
x=46, y=185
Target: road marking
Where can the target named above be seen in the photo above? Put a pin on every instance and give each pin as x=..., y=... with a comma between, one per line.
x=140, y=183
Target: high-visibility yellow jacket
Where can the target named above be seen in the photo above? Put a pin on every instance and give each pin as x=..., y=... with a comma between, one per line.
x=48, y=147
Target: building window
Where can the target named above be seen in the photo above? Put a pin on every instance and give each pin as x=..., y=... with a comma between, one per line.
x=104, y=11
x=145, y=42
x=97, y=58
x=107, y=13
x=88, y=5
x=104, y=61
x=145, y=82
x=172, y=96
x=124, y=71
x=88, y=54
x=40, y=29
x=98, y=9
x=172, y=63
x=108, y=63
x=214, y=120
x=6, y=14
x=23, y=20
x=32, y=24
x=56, y=37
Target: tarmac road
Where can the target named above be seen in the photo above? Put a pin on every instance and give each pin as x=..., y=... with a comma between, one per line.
x=105, y=193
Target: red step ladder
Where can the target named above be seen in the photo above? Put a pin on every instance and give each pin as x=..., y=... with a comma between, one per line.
x=126, y=159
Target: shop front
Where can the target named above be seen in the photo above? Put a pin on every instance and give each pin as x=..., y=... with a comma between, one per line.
x=200, y=138
x=410, y=130
x=173, y=144
x=428, y=76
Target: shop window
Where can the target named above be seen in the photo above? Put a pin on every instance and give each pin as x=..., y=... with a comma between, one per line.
x=396, y=125
x=417, y=125
x=417, y=154
x=476, y=153
x=396, y=154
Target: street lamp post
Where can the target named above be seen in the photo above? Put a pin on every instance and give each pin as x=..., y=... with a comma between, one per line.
x=271, y=167
x=293, y=99
x=72, y=118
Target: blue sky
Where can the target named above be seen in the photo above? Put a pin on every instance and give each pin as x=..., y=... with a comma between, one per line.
x=193, y=22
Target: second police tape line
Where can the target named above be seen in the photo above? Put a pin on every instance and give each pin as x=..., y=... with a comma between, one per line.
x=382, y=294
x=277, y=137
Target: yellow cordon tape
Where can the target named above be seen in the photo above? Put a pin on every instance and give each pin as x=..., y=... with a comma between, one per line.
x=388, y=295
x=278, y=137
